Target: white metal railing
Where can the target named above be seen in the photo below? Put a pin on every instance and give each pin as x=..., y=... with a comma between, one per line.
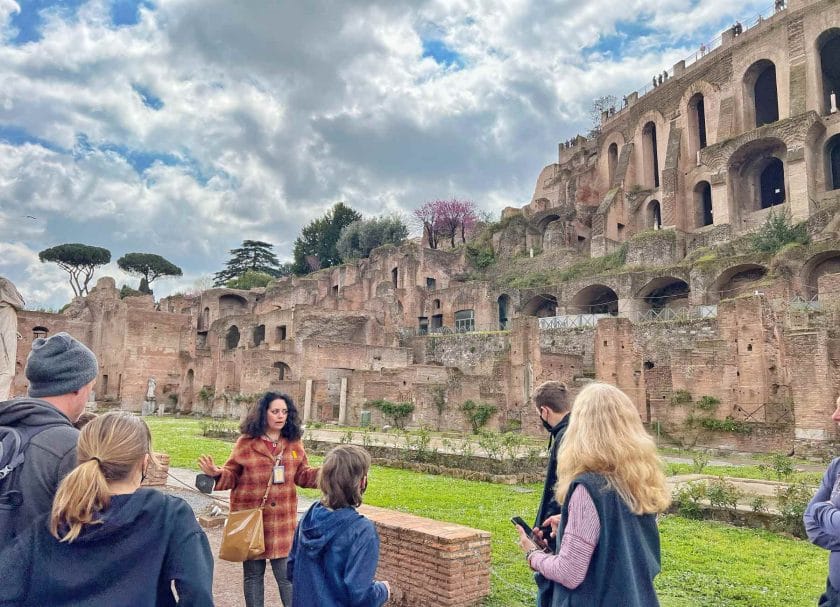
x=571, y=321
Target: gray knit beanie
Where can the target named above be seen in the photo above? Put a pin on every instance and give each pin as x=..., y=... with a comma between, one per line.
x=59, y=365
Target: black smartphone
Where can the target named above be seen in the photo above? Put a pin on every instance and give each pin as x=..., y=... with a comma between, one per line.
x=517, y=520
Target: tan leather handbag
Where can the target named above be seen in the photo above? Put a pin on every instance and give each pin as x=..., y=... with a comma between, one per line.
x=244, y=536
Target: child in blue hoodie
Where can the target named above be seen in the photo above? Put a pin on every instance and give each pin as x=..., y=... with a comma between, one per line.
x=336, y=549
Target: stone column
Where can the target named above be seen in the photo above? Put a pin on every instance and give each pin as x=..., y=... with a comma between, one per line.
x=307, y=402
x=342, y=403
x=720, y=199
x=796, y=178
x=10, y=302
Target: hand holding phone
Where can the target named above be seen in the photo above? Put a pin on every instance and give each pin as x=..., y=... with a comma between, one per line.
x=517, y=520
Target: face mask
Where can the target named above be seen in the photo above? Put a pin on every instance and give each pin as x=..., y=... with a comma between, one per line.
x=548, y=427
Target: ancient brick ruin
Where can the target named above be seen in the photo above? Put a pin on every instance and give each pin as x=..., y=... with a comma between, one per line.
x=675, y=180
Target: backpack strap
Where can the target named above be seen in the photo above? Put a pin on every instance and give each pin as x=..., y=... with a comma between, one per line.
x=21, y=437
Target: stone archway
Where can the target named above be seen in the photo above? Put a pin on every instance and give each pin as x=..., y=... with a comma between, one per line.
x=232, y=338
x=828, y=49
x=541, y=306
x=595, y=299
x=664, y=292
x=761, y=97
x=827, y=262
x=736, y=280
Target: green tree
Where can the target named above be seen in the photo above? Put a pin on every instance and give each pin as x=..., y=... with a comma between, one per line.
x=79, y=261
x=251, y=279
x=149, y=267
x=359, y=238
x=315, y=248
x=252, y=255
x=777, y=231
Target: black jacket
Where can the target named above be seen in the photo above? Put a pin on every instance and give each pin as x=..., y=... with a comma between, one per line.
x=146, y=540
x=548, y=504
x=50, y=456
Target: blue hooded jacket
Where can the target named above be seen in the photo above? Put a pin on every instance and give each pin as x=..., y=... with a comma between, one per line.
x=146, y=540
x=333, y=560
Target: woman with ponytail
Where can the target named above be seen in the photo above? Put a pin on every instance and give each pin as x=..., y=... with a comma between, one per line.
x=107, y=541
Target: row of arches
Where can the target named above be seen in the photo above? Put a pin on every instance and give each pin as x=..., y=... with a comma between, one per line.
x=760, y=107
x=673, y=292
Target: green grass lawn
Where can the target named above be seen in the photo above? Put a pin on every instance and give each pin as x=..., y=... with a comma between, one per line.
x=703, y=563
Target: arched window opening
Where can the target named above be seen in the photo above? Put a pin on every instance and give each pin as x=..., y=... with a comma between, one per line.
x=772, y=183
x=765, y=95
x=465, y=321
x=829, y=46
x=654, y=215
x=596, y=299
x=697, y=122
x=541, y=306
x=757, y=174
x=737, y=281
x=284, y=373
x=817, y=267
x=205, y=320
x=665, y=292
x=504, y=306
x=832, y=155
x=232, y=338
x=703, y=204
x=259, y=334
x=612, y=162
x=230, y=305
x=651, y=155
x=40, y=332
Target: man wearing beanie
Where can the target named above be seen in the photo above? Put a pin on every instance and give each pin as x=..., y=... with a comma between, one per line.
x=61, y=373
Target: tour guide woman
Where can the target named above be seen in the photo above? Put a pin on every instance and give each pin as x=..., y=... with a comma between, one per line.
x=611, y=484
x=107, y=541
x=270, y=445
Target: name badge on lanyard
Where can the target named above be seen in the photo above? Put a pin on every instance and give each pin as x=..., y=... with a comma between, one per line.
x=278, y=473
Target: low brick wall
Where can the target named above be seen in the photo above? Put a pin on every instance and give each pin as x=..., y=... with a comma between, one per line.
x=430, y=563
x=156, y=474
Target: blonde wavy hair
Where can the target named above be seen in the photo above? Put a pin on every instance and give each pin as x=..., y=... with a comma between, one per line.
x=110, y=448
x=606, y=436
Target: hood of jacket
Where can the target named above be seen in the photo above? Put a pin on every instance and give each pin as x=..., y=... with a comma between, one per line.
x=30, y=412
x=120, y=516
x=320, y=526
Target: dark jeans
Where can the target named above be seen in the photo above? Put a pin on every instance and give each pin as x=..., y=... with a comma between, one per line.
x=254, y=572
x=830, y=598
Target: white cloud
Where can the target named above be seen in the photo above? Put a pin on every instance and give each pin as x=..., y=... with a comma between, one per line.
x=272, y=112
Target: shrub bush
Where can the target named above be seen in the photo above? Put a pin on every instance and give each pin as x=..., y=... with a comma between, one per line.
x=477, y=414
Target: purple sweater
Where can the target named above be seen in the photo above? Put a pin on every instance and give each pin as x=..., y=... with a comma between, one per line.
x=822, y=519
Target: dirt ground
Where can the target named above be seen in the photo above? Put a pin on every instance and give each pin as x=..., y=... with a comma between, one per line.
x=227, y=579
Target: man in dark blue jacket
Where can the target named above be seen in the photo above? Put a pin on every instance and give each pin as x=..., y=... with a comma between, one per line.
x=551, y=400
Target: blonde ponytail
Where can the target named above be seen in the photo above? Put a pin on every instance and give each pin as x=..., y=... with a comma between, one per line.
x=110, y=449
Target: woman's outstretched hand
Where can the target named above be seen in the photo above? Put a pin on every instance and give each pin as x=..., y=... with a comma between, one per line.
x=205, y=462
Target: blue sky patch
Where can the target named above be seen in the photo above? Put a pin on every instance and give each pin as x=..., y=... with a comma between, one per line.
x=16, y=136
x=29, y=22
x=626, y=33
x=127, y=12
x=147, y=97
x=442, y=54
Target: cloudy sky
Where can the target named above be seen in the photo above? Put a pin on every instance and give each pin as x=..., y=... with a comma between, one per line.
x=182, y=127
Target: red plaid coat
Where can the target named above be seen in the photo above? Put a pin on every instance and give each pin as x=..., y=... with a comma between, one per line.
x=246, y=474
